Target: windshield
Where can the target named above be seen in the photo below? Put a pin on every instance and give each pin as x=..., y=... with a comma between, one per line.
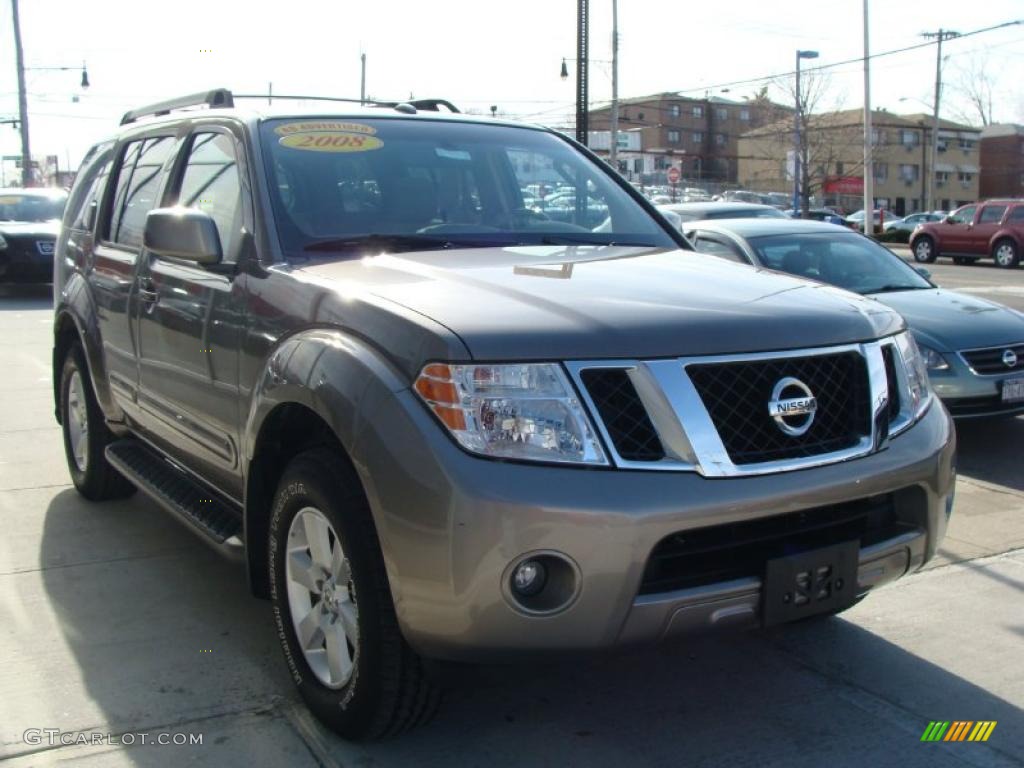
x=20, y=206
x=847, y=260
x=343, y=186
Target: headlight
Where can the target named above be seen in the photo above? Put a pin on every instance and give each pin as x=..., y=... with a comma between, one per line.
x=521, y=411
x=933, y=361
x=916, y=374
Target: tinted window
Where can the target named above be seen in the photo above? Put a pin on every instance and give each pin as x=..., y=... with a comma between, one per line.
x=334, y=182
x=211, y=184
x=139, y=180
x=1017, y=214
x=992, y=214
x=848, y=260
x=964, y=215
x=746, y=213
x=705, y=244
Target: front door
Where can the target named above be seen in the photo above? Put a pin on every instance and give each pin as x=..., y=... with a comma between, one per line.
x=190, y=324
x=957, y=229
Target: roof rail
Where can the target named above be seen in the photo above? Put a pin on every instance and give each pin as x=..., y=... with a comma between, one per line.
x=430, y=105
x=217, y=98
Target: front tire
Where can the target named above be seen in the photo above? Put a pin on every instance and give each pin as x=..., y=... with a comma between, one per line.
x=1006, y=254
x=924, y=250
x=86, y=435
x=332, y=605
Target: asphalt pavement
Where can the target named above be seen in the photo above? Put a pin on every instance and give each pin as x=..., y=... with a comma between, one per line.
x=115, y=620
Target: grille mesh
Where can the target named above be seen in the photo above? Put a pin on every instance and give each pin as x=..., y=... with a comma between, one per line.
x=737, y=395
x=990, y=361
x=623, y=414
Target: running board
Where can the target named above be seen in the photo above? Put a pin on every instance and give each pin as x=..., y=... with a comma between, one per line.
x=217, y=520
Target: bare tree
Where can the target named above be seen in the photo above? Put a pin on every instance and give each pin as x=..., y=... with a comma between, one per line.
x=972, y=85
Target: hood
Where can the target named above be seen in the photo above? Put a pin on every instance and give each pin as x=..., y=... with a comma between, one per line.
x=30, y=228
x=949, y=321
x=580, y=302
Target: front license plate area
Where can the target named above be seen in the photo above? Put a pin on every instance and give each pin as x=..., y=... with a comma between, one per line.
x=810, y=583
x=1013, y=390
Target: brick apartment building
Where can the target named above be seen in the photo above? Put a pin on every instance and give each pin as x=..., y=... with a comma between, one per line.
x=1002, y=161
x=902, y=154
x=697, y=136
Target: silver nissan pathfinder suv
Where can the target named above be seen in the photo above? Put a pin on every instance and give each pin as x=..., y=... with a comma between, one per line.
x=438, y=420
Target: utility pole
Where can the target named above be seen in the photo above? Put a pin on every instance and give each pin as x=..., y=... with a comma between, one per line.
x=19, y=58
x=613, y=153
x=869, y=167
x=942, y=34
x=582, y=71
x=362, y=78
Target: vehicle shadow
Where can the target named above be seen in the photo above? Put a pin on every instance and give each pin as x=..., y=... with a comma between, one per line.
x=162, y=631
x=26, y=296
x=989, y=450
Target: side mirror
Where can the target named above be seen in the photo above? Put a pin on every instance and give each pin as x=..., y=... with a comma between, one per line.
x=182, y=233
x=925, y=273
x=949, y=220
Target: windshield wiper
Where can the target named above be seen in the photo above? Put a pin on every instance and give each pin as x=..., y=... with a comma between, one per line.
x=397, y=243
x=571, y=239
x=892, y=288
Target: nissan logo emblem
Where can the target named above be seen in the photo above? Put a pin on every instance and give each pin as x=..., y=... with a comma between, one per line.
x=1010, y=358
x=793, y=414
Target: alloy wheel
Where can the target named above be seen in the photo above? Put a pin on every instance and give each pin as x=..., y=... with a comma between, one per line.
x=78, y=421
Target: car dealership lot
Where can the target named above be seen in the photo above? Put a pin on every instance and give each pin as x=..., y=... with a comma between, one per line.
x=114, y=619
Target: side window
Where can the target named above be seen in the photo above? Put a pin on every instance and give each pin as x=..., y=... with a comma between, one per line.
x=86, y=194
x=137, y=189
x=992, y=214
x=964, y=215
x=1017, y=215
x=705, y=244
x=211, y=184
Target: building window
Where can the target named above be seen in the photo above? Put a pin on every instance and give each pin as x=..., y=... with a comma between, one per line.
x=720, y=139
x=673, y=137
x=881, y=171
x=674, y=110
x=941, y=177
x=638, y=165
x=910, y=138
x=745, y=117
x=698, y=111
x=721, y=113
x=909, y=172
x=640, y=116
x=698, y=137
x=839, y=168
x=965, y=144
x=877, y=136
x=965, y=177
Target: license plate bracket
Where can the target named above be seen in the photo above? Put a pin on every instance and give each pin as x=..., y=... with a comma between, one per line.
x=805, y=584
x=1013, y=390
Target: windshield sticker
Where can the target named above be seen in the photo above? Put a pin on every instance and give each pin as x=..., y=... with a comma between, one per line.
x=328, y=136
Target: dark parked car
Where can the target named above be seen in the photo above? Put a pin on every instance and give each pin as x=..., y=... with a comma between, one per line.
x=973, y=348
x=994, y=228
x=29, y=222
x=435, y=424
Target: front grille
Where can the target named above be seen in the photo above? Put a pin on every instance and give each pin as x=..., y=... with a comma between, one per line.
x=981, y=406
x=738, y=550
x=989, y=362
x=737, y=395
x=623, y=414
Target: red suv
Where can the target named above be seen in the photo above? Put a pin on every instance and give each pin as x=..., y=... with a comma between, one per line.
x=993, y=228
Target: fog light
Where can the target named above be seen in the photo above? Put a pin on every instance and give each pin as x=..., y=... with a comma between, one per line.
x=529, y=578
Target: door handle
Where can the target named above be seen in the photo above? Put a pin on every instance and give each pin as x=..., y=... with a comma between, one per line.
x=147, y=289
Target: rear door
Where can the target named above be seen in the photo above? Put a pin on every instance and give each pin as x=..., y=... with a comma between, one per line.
x=988, y=222
x=189, y=318
x=138, y=175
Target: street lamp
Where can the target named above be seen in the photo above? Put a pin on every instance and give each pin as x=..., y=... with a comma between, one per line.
x=796, y=155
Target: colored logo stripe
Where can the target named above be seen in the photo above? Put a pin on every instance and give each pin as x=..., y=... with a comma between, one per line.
x=958, y=730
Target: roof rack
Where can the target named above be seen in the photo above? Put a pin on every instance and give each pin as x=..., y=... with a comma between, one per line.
x=219, y=97
x=222, y=98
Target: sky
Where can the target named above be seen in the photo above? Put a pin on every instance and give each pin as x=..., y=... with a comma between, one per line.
x=479, y=53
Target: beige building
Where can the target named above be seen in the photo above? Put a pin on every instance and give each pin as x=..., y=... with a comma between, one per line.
x=901, y=159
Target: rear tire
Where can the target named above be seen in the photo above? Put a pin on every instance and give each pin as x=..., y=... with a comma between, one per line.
x=328, y=584
x=1006, y=254
x=924, y=250
x=86, y=435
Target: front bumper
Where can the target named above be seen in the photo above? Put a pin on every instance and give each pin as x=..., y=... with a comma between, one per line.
x=967, y=395
x=451, y=525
